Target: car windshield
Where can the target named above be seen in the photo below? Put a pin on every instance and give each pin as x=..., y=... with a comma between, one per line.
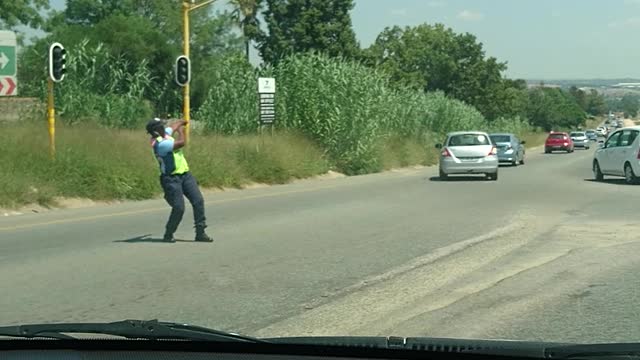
x=469, y=140
x=293, y=168
x=500, y=138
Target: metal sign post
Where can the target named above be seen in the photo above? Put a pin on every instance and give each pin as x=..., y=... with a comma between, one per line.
x=8, y=64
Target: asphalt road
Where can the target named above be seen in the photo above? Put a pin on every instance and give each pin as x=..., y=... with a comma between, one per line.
x=544, y=253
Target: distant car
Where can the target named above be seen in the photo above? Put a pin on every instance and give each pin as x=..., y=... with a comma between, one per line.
x=468, y=152
x=601, y=130
x=580, y=139
x=510, y=148
x=592, y=135
x=619, y=155
x=558, y=141
x=620, y=123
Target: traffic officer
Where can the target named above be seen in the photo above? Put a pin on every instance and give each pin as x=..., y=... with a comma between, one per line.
x=175, y=177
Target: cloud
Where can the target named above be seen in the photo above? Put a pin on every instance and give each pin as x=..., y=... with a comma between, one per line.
x=436, y=3
x=399, y=12
x=632, y=22
x=469, y=15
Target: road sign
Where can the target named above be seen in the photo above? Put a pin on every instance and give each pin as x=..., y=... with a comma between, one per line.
x=266, y=86
x=8, y=86
x=8, y=64
x=267, y=100
x=267, y=109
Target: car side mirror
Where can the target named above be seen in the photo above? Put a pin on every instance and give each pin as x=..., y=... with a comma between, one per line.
x=523, y=142
x=438, y=146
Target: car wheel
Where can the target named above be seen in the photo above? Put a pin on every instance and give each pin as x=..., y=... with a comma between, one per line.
x=522, y=160
x=514, y=162
x=629, y=177
x=597, y=173
x=443, y=175
x=547, y=151
x=493, y=176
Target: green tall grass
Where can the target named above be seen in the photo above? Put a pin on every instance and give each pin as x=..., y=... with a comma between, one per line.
x=106, y=164
x=345, y=107
x=100, y=88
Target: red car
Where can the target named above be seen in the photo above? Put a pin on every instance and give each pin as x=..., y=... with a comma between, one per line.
x=558, y=141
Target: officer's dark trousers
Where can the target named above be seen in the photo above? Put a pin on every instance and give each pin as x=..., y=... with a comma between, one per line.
x=175, y=186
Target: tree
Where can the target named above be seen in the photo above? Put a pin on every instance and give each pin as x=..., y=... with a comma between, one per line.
x=596, y=104
x=553, y=109
x=592, y=102
x=137, y=31
x=433, y=57
x=308, y=25
x=580, y=97
x=22, y=12
x=245, y=13
x=630, y=104
x=514, y=99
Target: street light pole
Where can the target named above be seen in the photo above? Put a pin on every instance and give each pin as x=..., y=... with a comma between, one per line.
x=188, y=6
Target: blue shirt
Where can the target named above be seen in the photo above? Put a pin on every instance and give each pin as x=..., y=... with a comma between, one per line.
x=170, y=161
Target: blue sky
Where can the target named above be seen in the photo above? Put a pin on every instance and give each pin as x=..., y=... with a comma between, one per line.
x=538, y=38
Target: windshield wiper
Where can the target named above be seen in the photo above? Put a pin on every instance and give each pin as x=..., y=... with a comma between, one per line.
x=529, y=349
x=132, y=329
x=627, y=350
x=515, y=348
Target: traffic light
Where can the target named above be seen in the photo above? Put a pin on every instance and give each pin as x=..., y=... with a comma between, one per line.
x=183, y=70
x=57, y=62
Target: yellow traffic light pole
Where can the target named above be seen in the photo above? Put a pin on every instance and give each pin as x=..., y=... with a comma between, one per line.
x=51, y=119
x=188, y=6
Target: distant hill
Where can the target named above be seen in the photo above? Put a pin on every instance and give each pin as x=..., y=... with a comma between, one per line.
x=595, y=83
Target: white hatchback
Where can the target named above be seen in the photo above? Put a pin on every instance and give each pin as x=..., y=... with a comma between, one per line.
x=619, y=155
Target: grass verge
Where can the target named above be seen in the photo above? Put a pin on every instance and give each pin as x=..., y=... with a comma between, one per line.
x=102, y=164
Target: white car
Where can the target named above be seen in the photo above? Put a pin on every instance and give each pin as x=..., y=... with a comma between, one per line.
x=619, y=155
x=601, y=131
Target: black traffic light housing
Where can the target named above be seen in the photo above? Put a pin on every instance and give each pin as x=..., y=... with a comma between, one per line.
x=57, y=62
x=183, y=70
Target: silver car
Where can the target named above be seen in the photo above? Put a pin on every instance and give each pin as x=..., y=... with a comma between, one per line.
x=468, y=152
x=510, y=148
x=580, y=139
